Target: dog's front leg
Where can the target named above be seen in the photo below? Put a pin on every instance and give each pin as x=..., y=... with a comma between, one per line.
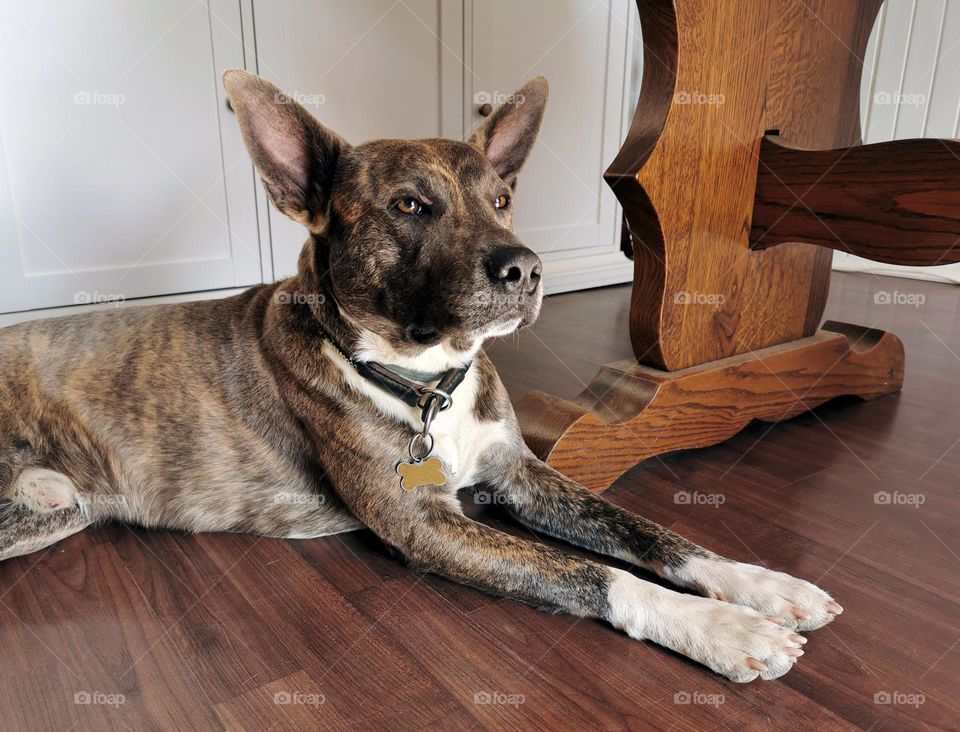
x=430, y=531
x=547, y=501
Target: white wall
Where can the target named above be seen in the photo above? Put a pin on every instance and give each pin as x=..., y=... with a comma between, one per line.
x=911, y=88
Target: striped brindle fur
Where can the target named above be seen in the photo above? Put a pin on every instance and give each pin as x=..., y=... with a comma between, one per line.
x=239, y=415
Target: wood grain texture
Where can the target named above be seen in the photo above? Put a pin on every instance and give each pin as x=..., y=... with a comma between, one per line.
x=232, y=632
x=718, y=74
x=896, y=202
x=630, y=413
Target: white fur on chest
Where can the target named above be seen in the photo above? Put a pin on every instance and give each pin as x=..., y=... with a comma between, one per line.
x=461, y=440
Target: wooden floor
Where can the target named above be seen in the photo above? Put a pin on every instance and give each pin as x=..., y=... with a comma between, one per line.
x=120, y=628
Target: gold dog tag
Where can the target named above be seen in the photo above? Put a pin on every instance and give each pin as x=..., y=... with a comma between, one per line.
x=430, y=471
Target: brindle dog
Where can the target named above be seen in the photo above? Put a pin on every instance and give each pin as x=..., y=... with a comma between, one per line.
x=243, y=414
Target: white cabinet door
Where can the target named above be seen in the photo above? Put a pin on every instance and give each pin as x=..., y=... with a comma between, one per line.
x=120, y=166
x=365, y=68
x=584, y=48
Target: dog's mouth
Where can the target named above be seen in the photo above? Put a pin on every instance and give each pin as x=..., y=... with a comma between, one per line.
x=505, y=328
x=508, y=323
x=426, y=336
x=475, y=323
x=423, y=336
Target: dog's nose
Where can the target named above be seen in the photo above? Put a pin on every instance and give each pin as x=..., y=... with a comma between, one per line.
x=516, y=268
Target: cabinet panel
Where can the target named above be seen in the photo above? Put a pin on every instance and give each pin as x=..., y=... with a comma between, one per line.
x=113, y=179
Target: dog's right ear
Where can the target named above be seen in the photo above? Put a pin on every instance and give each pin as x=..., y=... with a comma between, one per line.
x=295, y=155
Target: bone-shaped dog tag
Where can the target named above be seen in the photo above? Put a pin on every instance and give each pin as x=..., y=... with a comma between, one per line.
x=430, y=471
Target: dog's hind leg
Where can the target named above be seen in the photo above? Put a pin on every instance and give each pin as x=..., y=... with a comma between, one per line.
x=23, y=531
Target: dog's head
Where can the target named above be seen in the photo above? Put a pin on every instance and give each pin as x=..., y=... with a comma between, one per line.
x=418, y=233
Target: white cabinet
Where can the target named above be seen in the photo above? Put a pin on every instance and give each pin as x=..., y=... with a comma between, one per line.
x=121, y=172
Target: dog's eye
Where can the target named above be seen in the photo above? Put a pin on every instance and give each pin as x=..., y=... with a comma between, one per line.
x=410, y=206
x=503, y=201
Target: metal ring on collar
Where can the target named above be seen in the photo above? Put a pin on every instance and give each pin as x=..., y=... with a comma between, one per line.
x=424, y=440
x=429, y=412
x=426, y=392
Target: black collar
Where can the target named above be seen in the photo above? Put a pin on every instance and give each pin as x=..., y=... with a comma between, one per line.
x=414, y=393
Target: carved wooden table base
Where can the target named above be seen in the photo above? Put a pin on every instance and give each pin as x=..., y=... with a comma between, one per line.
x=742, y=169
x=644, y=412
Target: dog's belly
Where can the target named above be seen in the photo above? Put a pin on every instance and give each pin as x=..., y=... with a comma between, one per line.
x=276, y=499
x=223, y=473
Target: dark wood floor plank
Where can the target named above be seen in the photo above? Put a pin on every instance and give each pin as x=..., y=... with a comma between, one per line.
x=486, y=677
x=364, y=675
x=207, y=618
x=294, y=704
x=78, y=615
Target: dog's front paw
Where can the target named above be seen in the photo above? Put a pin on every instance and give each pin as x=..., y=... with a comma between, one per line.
x=799, y=603
x=735, y=641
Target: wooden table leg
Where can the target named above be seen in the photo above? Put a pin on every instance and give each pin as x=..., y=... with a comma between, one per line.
x=632, y=412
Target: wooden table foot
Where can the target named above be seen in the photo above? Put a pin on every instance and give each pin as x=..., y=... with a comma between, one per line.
x=631, y=412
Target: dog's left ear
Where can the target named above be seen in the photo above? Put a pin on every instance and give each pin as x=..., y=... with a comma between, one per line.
x=295, y=155
x=507, y=135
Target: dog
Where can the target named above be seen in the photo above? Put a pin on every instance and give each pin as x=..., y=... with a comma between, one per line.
x=356, y=394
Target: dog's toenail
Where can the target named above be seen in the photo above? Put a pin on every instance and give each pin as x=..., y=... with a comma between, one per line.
x=834, y=608
x=798, y=638
x=793, y=652
x=756, y=665
x=799, y=614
